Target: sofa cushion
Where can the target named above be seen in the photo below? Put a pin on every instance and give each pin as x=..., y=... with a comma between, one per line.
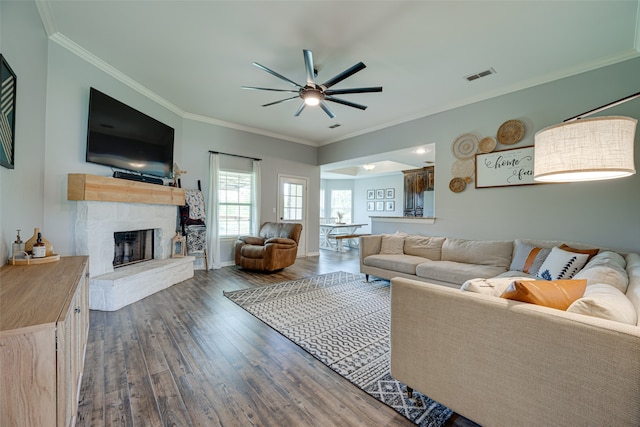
x=606, y=267
x=561, y=265
x=590, y=252
x=528, y=258
x=424, y=246
x=633, y=290
x=455, y=272
x=483, y=252
x=558, y=294
x=605, y=301
x=400, y=263
x=392, y=244
x=494, y=286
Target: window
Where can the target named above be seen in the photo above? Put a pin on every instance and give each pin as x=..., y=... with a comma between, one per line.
x=341, y=205
x=234, y=196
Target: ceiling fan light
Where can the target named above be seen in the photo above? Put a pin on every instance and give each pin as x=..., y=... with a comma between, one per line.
x=311, y=99
x=585, y=150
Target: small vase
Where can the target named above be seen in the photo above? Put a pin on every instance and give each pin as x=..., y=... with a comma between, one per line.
x=28, y=246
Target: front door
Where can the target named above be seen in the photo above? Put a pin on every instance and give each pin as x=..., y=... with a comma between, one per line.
x=292, y=206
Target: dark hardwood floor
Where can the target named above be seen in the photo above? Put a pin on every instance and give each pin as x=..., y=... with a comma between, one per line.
x=187, y=356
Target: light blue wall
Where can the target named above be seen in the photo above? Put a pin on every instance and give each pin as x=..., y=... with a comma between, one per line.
x=599, y=213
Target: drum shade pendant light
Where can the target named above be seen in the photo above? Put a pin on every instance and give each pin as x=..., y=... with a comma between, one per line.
x=588, y=149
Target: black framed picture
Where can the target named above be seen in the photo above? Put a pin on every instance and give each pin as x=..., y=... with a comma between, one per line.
x=371, y=194
x=7, y=114
x=380, y=193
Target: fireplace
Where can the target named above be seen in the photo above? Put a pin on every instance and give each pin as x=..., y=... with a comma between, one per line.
x=131, y=247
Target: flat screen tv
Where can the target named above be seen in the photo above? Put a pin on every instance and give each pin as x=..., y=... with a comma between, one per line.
x=124, y=138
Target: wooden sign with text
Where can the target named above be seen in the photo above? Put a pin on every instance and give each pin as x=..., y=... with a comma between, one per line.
x=505, y=168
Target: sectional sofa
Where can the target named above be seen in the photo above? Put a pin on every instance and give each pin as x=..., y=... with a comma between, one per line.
x=501, y=362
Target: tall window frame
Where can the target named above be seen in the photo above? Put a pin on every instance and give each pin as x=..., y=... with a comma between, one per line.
x=235, y=203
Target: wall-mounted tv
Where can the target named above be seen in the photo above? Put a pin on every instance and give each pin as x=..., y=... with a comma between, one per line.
x=124, y=138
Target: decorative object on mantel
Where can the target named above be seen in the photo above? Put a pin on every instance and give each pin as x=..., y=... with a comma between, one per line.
x=511, y=132
x=177, y=173
x=487, y=144
x=582, y=149
x=465, y=146
x=457, y=185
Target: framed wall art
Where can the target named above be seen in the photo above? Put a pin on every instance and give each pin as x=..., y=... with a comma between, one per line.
x=380, y=193
x=391, y=206
x=371, y=194
x=371, y=206
x=7, y=114
x=380, y=206
x=390, y=193
x=505, y=168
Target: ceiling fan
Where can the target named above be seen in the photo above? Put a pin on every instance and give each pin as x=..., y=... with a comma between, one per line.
x=315, y=94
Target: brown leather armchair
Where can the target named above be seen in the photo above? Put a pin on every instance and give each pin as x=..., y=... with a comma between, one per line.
x=275, y=248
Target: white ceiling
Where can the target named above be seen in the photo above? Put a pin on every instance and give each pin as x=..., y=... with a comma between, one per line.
x=194, y=56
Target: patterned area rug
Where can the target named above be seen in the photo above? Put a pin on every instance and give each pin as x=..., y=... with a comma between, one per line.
x=344, y=322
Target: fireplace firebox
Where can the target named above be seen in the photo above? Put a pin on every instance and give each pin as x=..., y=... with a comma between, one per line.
x=132, y=247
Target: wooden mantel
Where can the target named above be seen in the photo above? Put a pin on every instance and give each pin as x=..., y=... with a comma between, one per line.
x=107, y=189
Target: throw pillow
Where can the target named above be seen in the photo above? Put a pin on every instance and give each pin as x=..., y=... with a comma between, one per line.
x=606, y=302
x=590, y=252
x=528, y=258
x=558, y=294
x=561, y=265
x=392, y=244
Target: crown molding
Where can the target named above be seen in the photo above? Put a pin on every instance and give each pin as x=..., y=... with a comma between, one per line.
x=46, y=15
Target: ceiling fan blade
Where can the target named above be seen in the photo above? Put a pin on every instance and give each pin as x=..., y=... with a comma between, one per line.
x=327, y=110
x=267, y=88
x=282, y=100
x=280, y=76
x=308, y=66
x=300, y=109
x=343, y=75
x=355, y=90
x=348, y=103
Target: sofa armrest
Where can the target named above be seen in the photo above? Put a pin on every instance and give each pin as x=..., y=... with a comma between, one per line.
x=369, y=245
x=282, y=240
x=501, y=362
x=252, y=240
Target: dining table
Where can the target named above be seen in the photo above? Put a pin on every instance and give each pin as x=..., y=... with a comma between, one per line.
x=328, y=233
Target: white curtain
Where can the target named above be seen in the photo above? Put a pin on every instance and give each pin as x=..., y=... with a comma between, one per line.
x=213, y=239
x=255, y=198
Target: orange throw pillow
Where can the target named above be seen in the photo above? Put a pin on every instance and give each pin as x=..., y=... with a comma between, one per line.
x=558, y=294
x=590, y=252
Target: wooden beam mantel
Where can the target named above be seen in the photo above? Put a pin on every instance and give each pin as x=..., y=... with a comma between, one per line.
x=107, y=189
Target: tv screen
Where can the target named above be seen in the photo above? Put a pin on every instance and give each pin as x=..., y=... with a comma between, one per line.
x=122, y=137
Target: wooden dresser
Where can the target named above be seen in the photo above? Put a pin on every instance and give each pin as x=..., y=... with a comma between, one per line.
x=44, y=323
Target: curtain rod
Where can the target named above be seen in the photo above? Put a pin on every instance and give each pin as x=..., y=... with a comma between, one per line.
x=235, y=155
x=604, y=107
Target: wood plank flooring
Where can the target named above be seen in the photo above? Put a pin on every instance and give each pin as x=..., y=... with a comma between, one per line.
x=187, y=356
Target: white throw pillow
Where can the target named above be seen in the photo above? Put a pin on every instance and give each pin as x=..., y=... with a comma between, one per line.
x=392, y=244
x=561, y=265
x=606, y=302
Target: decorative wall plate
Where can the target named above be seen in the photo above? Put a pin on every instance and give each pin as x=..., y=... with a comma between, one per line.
x=487, y=144
x=510, y=132
x=457, y=185
x=463, y=168
x=465, y=146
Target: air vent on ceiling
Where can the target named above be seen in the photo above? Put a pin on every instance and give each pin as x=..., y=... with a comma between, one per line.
x=335, y=126
x=476, y=76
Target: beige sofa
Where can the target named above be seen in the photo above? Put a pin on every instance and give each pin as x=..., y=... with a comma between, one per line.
x=500, y=362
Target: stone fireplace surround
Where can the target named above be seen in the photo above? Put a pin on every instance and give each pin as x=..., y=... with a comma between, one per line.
x=111, y=290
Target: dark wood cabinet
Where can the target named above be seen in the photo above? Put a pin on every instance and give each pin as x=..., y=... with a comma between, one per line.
x=416, y=182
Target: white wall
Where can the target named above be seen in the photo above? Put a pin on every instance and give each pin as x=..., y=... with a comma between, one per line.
x=605, y=213
x=23, y=42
